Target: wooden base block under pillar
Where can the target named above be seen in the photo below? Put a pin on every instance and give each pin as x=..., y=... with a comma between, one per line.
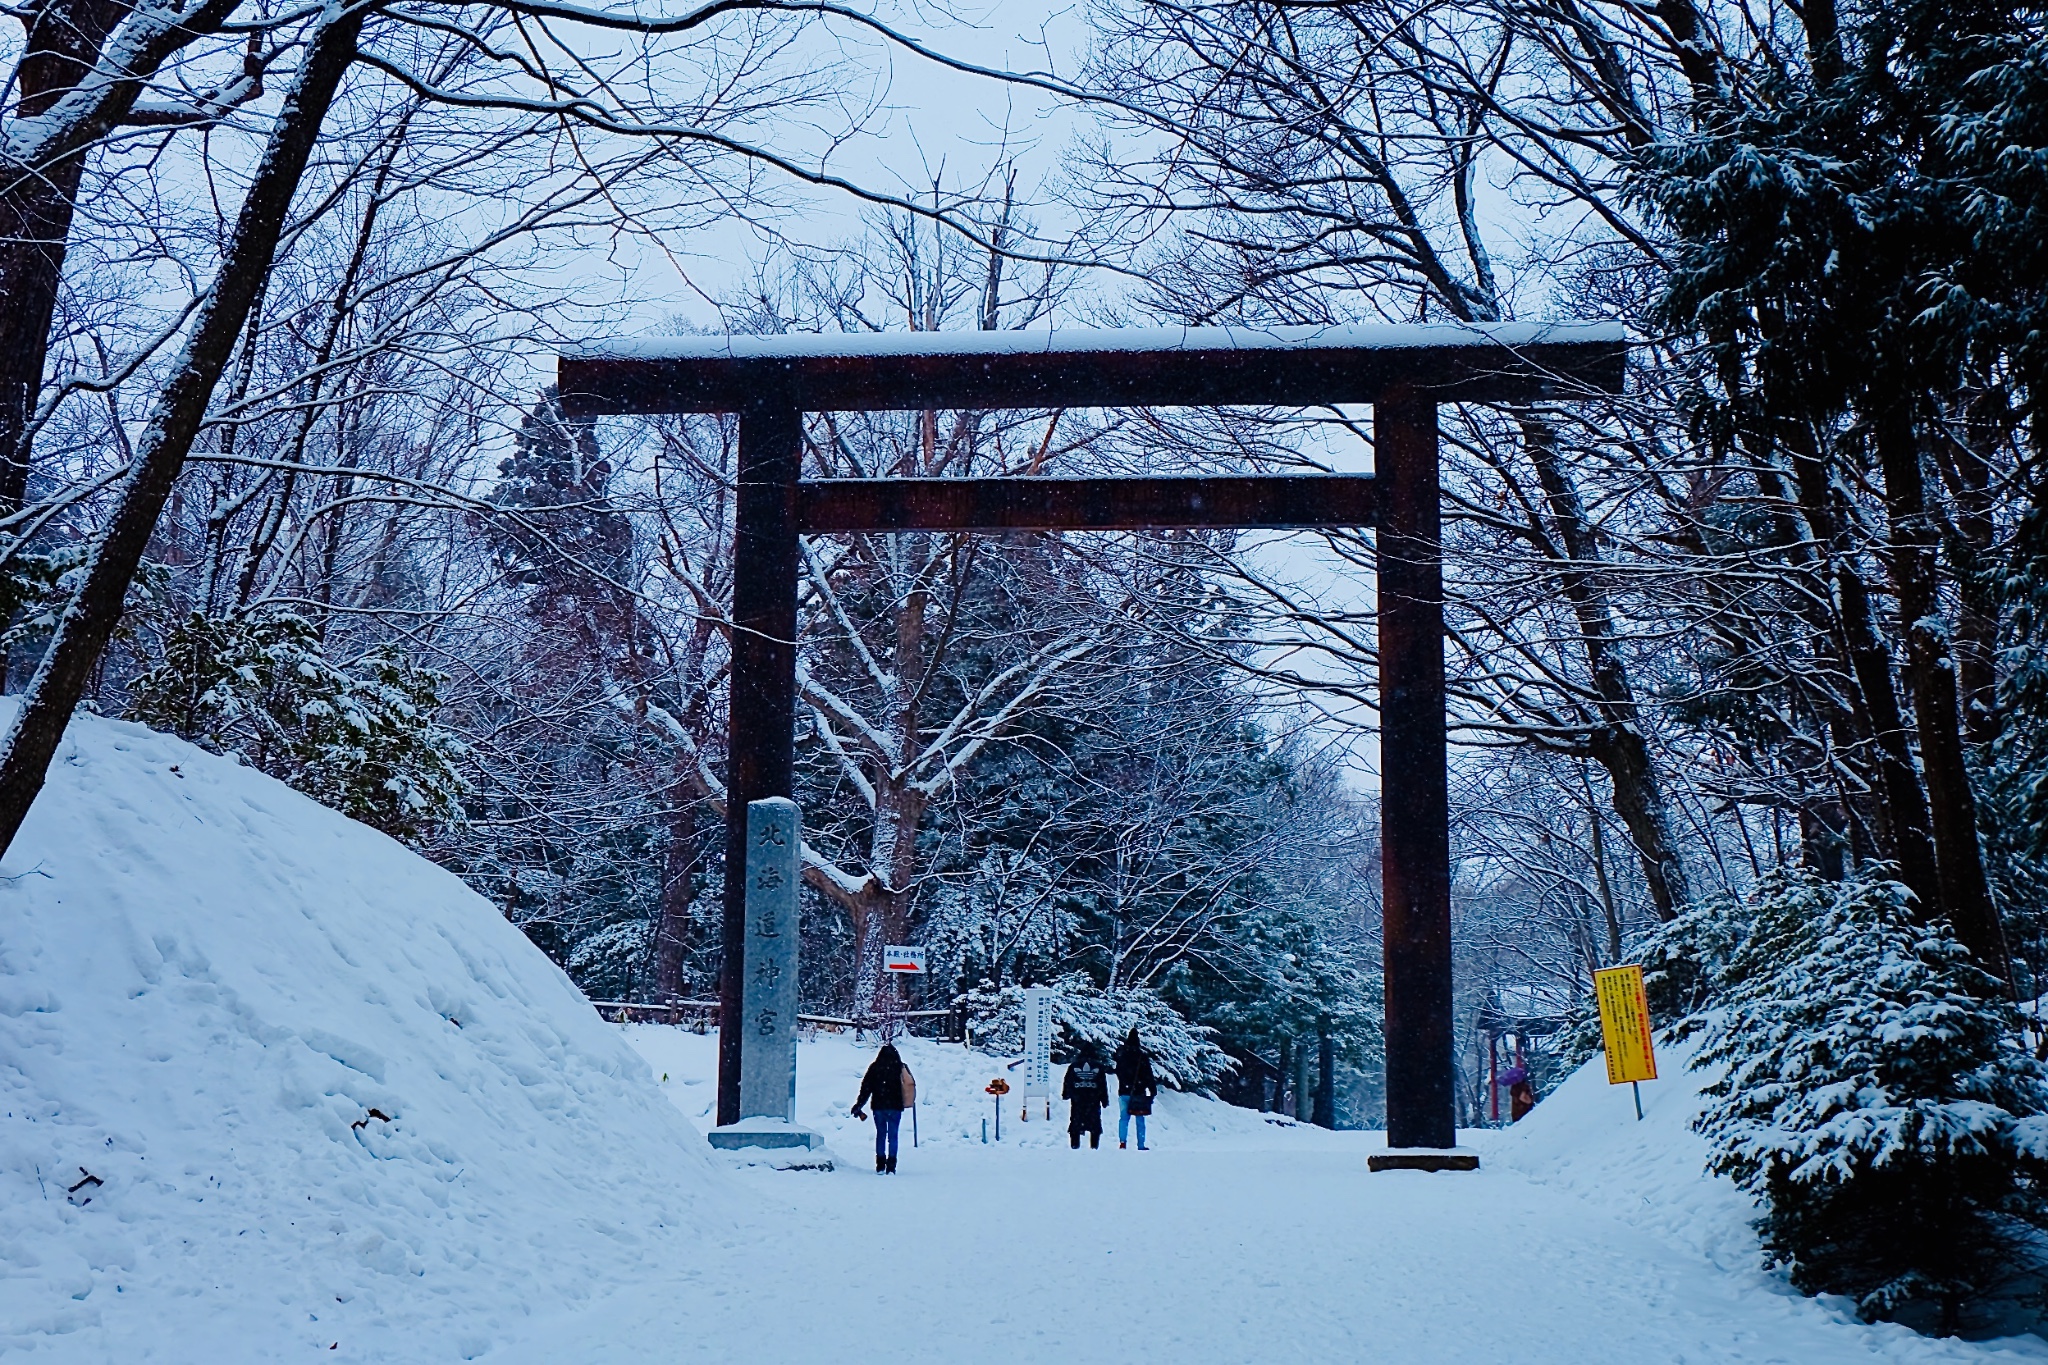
x=1422, y=1159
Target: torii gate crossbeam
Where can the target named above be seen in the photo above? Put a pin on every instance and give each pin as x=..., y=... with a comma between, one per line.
x=1404, y=372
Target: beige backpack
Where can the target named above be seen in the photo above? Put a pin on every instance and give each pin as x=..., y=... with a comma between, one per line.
x=909, y=1089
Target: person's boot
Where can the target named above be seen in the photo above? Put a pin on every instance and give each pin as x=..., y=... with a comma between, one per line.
x=1121, y=1144
x=892, y=1165
x=881, y=1165
x=1094, y=1141
x=1074, y=1141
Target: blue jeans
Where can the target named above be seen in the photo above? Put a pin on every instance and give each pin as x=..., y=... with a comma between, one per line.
x=1123, y=1122
x=887, y=1122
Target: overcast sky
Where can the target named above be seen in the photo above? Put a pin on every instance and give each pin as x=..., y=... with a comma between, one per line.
x=929, y=122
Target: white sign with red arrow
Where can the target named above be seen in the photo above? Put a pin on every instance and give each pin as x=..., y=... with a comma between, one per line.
x=902, y=958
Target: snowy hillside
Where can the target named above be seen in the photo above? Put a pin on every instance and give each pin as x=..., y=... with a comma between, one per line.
x=1585, y=1138
x=329, y=1100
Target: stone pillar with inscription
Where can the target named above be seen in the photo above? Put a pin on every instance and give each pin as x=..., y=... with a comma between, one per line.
x=769, y=986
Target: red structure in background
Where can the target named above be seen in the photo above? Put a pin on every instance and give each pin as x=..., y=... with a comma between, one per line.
x=1403, y=372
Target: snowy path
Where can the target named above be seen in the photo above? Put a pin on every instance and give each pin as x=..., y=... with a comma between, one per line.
x=1245, y=1242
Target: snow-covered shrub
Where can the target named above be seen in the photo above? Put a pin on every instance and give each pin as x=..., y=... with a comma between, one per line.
x=607, y=962
x=362, y=740
x=34, y=588
x=1685, y=958
x=373, y=751
x=1877, y=1100
x=1184, y=1055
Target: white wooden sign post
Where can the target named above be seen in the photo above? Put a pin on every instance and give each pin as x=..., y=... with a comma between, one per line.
x=1038, y=1047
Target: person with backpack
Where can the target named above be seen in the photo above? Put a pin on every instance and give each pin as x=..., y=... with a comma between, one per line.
x=1135, y=1087
x=1085, y=1090
x=890, y=1087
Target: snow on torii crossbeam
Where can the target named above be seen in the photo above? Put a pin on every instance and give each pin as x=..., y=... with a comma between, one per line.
x=1404, y=372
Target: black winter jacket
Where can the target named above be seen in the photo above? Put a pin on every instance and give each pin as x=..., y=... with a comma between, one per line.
x=1134, y=1072
x=1087, y=1084
x=884, y=1082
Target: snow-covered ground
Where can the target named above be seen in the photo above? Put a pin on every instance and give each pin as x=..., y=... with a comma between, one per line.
x=1585, y=1237
x=335, y=1108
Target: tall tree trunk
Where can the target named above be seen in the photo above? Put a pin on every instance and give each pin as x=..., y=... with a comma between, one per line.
x=1618, y=743
x=672, y=931
x=1326, y=1076
x=1904, y=823
x=884, y=914
x=882, y=921
x=1304, y=1101
x=65, y=41
x=1959, y=859
x=36, y=206
x=89, y=620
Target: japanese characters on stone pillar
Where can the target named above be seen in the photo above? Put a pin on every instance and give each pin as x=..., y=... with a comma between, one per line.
x=1038, y=1028
x=768, y=1049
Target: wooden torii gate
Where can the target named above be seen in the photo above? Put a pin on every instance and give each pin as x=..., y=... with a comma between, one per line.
x=1404, y=372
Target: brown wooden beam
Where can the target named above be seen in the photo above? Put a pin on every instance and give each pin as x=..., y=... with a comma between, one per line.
x=1415, y=813
x=828, y=506
x=1287, y=366
x=761, y=720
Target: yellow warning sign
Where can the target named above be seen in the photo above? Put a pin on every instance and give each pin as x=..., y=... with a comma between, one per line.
x=1625, y=1024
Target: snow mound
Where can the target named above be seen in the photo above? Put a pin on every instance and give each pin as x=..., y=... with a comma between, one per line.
x=269, y=1083
x=1585, y=1137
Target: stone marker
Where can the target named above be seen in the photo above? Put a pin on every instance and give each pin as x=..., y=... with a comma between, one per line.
x=768, y=990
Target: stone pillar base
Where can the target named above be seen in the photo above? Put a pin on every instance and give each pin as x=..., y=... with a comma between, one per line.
x=773, y=1134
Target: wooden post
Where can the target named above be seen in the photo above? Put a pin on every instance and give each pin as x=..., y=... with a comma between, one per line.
x=762, y=715
x=1326, y=1076
x=1414, y=794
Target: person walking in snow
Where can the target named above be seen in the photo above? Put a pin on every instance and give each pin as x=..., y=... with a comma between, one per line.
x=1135, y=1087
x=1085, y=1090
x=891, y=1088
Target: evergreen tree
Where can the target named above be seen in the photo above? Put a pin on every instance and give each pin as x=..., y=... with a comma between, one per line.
x=2016, y=802
x=1860, y=250
x=1184, y=1055
x=362, y=739
x=1876, y=1099
x=555, y=488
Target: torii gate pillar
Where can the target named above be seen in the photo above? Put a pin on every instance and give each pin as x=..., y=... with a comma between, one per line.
x=761, y=718
x=1415, y=813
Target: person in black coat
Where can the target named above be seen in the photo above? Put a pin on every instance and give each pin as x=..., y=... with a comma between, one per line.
x=887, y=1086
x=1085, y=1090
x=1135, y=1086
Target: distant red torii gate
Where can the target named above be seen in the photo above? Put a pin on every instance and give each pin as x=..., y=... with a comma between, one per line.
x=1402, y=371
